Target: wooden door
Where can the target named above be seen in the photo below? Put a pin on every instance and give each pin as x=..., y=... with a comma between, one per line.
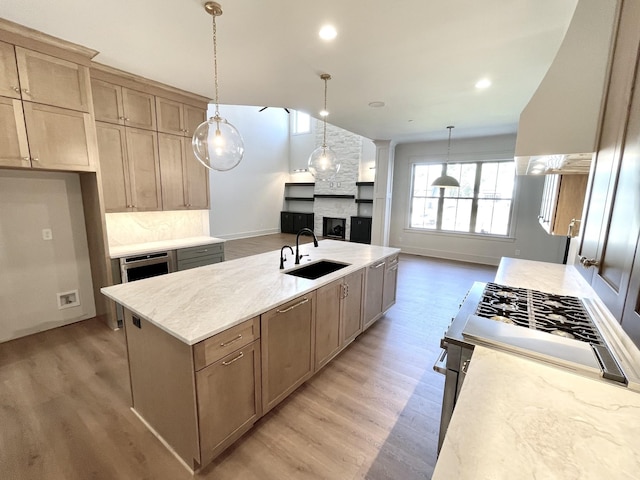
x=193, y=117
x=631, y=313
x=228, y=399
x=144, y=169
x=53, y=81
x=112, y=149
x=390, y=283
x=60, y=139
x=373, y=293
x=328, y=342
x=613, y=222
x=352, y=307
x=107, y=102
x=14, y=149
x=287, y=348
x=139, y=109
x=9, y=83
x=170, y=116
x=171, y=154
x=197, y=179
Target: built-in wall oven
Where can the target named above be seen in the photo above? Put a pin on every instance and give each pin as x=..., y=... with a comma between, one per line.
x=555, y=329
x=137, y=267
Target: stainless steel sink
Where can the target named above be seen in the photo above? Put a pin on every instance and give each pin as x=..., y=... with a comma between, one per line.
x=316, y=270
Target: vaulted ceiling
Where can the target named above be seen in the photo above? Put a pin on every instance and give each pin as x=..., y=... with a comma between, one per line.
x=421, y=58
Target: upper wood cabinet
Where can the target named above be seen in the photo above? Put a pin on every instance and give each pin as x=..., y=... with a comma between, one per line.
x=562, y=201
x=130, y=168
x=124, y=106
x=9, y=83
x=14, y=149
x=185, y=181
x=178, y=118
x=53, y=81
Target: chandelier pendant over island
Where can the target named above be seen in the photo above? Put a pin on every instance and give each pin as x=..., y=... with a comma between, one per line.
x=323, y=162
x=216, y=143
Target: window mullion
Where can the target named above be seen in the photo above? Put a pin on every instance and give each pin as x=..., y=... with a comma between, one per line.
x=441, y=201
x=474, y=201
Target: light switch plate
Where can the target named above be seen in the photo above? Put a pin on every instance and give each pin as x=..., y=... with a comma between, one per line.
x=47, y=234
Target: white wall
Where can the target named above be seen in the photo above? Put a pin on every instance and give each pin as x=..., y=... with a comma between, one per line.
x=528, y=237
x=247, y=200
x=34, y=270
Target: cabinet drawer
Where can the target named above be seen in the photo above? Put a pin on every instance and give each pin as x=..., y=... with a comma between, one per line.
x=200, y=251
x=391, y=261
x=216, y=347
x=200, y=261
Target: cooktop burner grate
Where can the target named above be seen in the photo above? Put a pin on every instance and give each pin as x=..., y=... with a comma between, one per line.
x=556, y=314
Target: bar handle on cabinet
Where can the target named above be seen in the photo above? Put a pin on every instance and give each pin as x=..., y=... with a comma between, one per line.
x=441, y=363
x=293, y=306
x=231, y=341
x=226, y=364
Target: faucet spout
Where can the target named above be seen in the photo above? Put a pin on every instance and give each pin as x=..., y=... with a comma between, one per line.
x=282, y=257
x=304, y=231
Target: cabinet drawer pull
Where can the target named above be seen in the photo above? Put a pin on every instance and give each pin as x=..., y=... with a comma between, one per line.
x=293, y=306
x=226, y=364
x=26, y=90
x=381, y=264
x=15, y=89
x=231, y=341
x=395, y=267
x=201, y=251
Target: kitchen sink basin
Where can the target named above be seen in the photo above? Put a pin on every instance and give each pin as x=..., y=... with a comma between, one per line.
x=316, y=270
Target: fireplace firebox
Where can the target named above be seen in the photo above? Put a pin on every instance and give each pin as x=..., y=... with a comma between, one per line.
x=334, y=227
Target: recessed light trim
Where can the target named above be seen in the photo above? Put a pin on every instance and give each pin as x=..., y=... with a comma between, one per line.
x=376, y=104
x=328, y=32
x=483, y=83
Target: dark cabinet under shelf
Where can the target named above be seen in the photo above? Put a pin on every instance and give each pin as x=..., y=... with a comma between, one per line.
x=360, y=230
x=293, y=222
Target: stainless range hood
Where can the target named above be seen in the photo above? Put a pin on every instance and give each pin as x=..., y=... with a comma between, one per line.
x=559, y=127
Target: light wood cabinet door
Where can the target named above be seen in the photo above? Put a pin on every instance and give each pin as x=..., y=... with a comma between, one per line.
x=59, y=138
x=287, y=348
x=144, y=169
x=351, y=313
x=185, y=181
x=9, y=83
x=53, y=81
x=107, y=102
x=193, y=117
x=112, y=148
x=228, y=399
x=328, y=343
x=14, y=149
x=373, y=294
x=390, y=283
x=139, y=109
x=170, y=116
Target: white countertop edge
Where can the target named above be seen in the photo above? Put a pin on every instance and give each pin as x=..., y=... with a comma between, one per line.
x=120, y=251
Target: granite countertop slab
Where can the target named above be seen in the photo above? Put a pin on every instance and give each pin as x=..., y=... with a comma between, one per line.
x=195, y=304
x=160, y=246
x=520, y=419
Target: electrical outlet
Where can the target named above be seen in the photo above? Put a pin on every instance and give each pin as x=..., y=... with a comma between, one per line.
x=68, y=299
x=47, y=234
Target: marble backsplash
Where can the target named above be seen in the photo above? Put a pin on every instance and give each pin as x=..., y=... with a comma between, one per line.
x=141, y=227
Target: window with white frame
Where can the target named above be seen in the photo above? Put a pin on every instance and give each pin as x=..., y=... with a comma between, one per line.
x=301, y=122
x=481, y=205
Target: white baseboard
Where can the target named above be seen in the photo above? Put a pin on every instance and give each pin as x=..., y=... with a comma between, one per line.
x=461, y=257
x=255, y=233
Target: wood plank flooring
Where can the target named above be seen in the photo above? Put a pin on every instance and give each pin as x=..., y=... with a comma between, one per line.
x=373, y=412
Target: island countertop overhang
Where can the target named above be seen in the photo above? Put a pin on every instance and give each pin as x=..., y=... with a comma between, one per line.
x=193, y=305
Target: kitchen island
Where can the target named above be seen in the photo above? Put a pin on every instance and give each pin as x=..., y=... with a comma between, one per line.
x=214, y=348
x=519, y=418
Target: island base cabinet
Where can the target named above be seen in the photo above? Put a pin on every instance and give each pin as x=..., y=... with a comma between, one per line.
x=229, y=400
x=373, y=294
x=328, y=309
x=351, y=324
x=390, y=283
x=288, y=340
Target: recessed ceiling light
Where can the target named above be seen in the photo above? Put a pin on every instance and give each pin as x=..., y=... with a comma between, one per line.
x=376, y=104
x=328, y=32
x=323, y=113
x=483, y=83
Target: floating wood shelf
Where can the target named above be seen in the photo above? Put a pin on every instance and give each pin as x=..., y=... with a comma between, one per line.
x=334, y=196
x=299, y=184
x=364, y=184
x=364, y=200
x=300, y=199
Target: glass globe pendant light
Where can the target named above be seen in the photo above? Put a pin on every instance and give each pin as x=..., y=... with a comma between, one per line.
x=446, y=181
x=216, y=143
x=323, y=162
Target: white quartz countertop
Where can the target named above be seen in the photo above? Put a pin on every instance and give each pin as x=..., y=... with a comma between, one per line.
x=519, y=419
x=160, y=246
x=193, y=305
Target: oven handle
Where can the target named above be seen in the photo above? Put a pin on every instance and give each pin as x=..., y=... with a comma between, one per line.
x=441, y=363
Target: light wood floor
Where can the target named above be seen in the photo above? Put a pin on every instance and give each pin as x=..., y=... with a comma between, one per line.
x=372, y=413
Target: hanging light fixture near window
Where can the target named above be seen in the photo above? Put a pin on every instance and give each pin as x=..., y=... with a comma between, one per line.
x=323, y=162
x=446, y=181
x=216, y=143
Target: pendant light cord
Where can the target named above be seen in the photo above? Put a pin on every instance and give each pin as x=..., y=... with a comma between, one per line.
x=449, y=144
x=324, y=135
x=215, y=63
